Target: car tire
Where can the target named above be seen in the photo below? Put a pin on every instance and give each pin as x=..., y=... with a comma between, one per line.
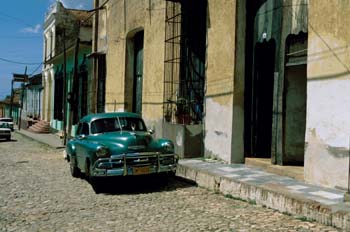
x=87, y=170
x=95, y=184
x=74, y=170
x=8, y=138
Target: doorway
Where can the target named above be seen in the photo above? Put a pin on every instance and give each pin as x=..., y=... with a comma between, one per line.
x=134, y=72
x=294, y=99
x=262, y=99
x=138, y=73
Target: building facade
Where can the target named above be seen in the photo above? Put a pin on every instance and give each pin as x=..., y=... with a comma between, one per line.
x=328, y=79
x=262, y=79
x=31, y=100
x=67, y=43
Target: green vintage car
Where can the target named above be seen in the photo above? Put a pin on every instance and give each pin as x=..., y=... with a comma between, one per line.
x=118, y=144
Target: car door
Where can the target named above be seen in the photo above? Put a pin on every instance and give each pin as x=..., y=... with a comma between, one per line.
x=81, y=144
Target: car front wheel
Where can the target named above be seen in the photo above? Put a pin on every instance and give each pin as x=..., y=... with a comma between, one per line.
x=74, y=170
x=94, y=181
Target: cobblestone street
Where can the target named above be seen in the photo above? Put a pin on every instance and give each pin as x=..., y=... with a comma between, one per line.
x=38, y=194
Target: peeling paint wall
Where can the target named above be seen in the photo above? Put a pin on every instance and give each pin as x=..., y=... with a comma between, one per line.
x=218, y=130
x=327, y=134
x=220, y=78
x=328, y=99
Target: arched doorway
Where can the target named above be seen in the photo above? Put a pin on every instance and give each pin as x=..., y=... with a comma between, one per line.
x=134, y=73
x=294, y=99
x=262, y=74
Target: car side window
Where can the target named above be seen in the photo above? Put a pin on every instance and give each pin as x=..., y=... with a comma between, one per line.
x=85, y=129
x=80, y=128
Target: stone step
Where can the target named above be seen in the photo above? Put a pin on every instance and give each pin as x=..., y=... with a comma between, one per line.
x=40, y=127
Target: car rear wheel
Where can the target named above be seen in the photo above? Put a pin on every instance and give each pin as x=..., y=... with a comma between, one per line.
x=8, y=138
x=74, y=170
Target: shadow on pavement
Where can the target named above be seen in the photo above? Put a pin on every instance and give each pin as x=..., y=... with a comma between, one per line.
x=139, y=184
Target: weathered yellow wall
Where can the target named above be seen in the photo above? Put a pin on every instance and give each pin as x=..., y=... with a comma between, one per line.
x=220, y=78
x=126, y=17
x=328, y=99
x=153, y=82
x=118, y=23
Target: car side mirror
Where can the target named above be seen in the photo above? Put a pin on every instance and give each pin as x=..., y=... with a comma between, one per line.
x=151, y=131
x=81, y=136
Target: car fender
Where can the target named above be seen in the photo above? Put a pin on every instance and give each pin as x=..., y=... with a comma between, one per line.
x=70, y=151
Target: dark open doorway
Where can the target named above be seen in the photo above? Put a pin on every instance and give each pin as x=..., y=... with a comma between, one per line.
x=138, y=73
x=134, y=72
x=294, y=99
x=262, y=98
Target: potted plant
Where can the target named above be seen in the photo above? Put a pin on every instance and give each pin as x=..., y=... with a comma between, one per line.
x=182, y=111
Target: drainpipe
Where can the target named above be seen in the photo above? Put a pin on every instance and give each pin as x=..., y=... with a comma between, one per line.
x=96, y=22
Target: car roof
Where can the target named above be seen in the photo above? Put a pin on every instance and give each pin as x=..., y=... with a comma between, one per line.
x=93, y=117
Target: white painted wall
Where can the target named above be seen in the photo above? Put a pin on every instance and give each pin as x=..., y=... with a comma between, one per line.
x=328, y=132
x=218, y=133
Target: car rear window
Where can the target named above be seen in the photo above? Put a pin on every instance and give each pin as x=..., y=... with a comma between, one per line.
x=132, y=124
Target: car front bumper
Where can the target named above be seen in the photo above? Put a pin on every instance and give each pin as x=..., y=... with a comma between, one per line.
x=135, y=164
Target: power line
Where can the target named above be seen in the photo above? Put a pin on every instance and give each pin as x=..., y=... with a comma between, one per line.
x=36, y=69
x=18, y=62
x=15, y=19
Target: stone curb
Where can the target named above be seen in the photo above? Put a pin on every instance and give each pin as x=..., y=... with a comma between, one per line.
x=269, y=196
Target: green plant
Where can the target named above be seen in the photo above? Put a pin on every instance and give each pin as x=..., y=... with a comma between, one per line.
x=252, y=202
x=305, y=219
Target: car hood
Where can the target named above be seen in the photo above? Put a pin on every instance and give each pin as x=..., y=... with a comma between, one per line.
x=127, y=141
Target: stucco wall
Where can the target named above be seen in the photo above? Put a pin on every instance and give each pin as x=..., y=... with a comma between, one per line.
x=120, y=21
x=220, y=74
x=328, y=99
x=153, y=66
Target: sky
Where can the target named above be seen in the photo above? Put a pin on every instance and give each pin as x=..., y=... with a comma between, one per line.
x=21, y=37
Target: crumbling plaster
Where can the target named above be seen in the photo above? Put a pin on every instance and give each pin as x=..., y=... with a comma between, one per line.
x=328, y=99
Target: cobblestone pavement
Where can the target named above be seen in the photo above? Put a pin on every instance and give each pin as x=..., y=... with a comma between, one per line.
x=37, y=193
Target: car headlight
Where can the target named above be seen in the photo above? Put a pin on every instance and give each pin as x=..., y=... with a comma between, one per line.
x=168, y=147
x=102, y=152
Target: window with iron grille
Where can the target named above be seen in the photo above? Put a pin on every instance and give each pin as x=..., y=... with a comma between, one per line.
x=184, y=65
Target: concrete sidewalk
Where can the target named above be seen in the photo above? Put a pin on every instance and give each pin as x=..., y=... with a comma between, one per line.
x=51, y=140
x=253, y=184
x=285, y=194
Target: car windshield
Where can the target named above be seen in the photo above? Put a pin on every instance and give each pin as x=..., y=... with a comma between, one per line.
x=4, y=125
x=112, y=124
x=104, y=125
